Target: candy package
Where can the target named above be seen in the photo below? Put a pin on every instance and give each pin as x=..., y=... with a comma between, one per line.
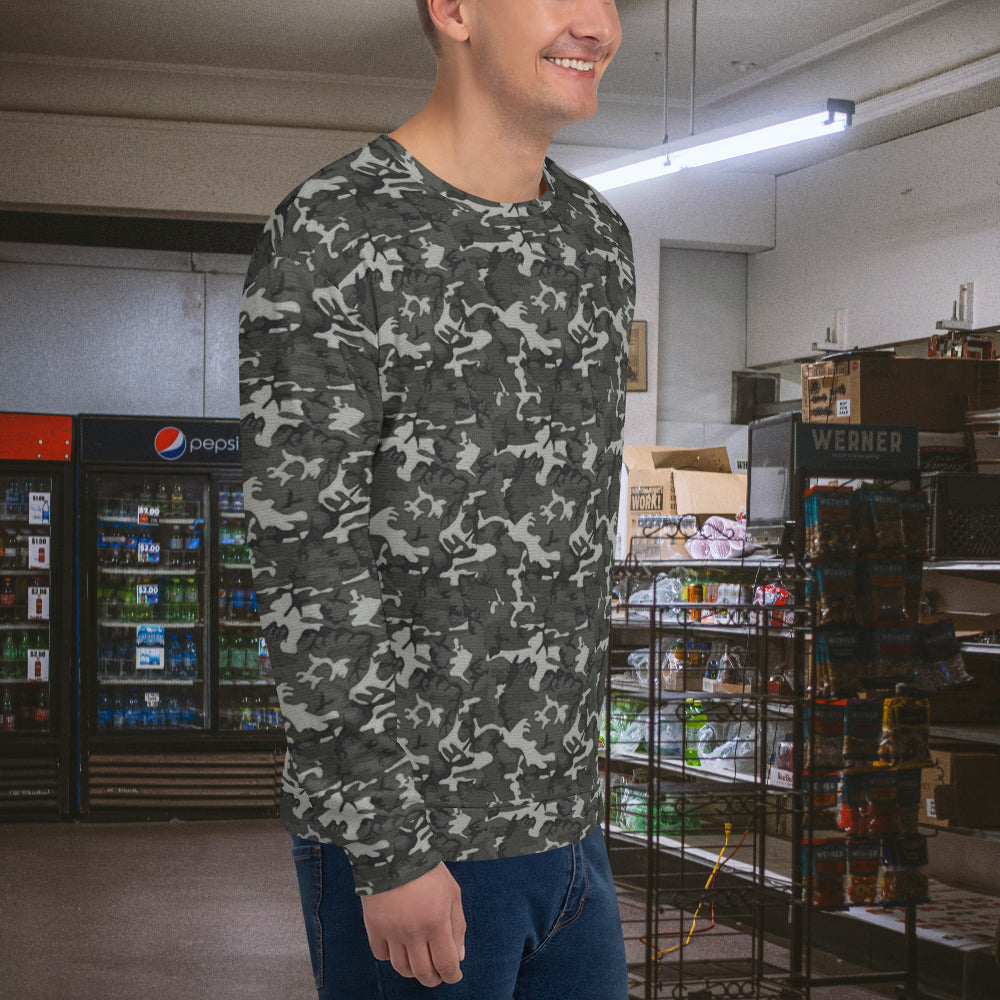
x=826, y=863
x=883, y=591
x=824, y=729
x=823, y=814
x=905, y=732
x=863, y=862
x=836, y=585
x=890, y=654
x=862, y=729
x=830, y=529
x=840, y=663
x=902, y=875
x=880, y=520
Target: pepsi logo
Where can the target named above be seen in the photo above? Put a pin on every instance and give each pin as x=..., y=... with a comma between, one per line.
x=170, y=443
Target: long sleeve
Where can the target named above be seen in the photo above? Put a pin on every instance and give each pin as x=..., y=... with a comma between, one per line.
x=311, y=416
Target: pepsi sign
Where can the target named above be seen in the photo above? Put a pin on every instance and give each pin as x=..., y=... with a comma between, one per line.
x=159, y=440
x=170, y=443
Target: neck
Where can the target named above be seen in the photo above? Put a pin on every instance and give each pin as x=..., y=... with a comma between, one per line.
x=476, y=151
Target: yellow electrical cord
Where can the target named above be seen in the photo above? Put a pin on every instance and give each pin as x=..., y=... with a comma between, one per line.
x=694, y=920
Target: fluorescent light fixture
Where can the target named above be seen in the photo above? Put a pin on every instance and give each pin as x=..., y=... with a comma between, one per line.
x=712, y=147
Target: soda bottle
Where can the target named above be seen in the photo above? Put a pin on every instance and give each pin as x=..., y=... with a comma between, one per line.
x=223, y=497
x=193, y=548
x=259, y=713
x=10, y=664
x=191, y=599
x=41, y=713
x=223, y=598
x=265, y=658
x=246, y=713
x=237, y=656
x=237, y=601
x=175, y=547
x=252, y=664
x=8, y=717
x=236, y=499
x=21, y=655
x=225, y=673
x=177, y=501
x=162, y=497
x=7, y=599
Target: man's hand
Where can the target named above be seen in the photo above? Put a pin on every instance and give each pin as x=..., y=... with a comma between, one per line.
x=419, y=927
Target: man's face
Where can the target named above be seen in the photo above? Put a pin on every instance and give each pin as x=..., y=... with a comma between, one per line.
x=541, y=60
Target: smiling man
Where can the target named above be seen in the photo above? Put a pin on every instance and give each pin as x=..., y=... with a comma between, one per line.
x=433, y=352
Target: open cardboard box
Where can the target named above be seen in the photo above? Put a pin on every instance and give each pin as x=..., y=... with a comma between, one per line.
x=664, y=480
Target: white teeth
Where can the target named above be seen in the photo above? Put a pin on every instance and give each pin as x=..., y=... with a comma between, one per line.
x=579, y=64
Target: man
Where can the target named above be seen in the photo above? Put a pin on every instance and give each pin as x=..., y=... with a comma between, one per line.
x=433, y=349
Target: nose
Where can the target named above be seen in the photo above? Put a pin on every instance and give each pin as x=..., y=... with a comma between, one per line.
x=597, y=20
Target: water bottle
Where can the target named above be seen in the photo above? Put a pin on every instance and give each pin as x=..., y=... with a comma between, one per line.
x=118, y=710
x=189, y=714
x=189, y=652
x=173, y=713
x=174, y=664
x=133, y=715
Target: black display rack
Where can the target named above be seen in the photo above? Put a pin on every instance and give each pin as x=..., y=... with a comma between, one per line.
x=710, y=794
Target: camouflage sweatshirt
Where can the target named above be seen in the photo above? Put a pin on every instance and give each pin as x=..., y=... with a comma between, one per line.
x=432, y=392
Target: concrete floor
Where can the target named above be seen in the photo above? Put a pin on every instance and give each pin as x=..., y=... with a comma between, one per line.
x=159, y=911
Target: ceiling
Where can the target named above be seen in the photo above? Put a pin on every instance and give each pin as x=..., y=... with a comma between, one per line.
x=908, y=64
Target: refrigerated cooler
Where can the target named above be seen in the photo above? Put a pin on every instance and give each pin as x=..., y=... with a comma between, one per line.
x=178, y=709
x=36, y=616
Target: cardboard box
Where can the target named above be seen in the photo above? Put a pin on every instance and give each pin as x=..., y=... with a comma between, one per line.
x=931, y=394
x=961, y=789
x=680, y=481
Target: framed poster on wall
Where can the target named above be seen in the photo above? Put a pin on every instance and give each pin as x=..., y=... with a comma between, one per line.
x=637, y=357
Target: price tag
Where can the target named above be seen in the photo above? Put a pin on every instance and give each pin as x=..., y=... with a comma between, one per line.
x=38, y=551
x=147, y=593
x=39, y=508
x=153, y=699
x=38, y=665
x=148, y=552
x=149, y=657
x=149, y=514
x=38, y=603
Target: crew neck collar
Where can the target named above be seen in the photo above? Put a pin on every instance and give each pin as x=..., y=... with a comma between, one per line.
x=469, y=202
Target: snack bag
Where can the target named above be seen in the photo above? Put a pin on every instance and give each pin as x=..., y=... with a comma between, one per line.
x=840, y=662
x=836, y=584
x=905, y=732
x=938, y=664
x=863, y=862
x=902, y=879
x=880, y=520
x=862, y=729
x=890, y=654
x=830, y=529
x=883, y=591
x=826, y=863
x=824, y=729
x=915, y=513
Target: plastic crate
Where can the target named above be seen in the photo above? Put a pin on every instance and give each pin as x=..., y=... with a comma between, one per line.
x=964, y=516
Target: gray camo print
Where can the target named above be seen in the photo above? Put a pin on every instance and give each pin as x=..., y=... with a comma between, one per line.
x=432, y=392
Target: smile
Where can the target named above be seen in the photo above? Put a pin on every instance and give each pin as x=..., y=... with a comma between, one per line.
x=577, y=64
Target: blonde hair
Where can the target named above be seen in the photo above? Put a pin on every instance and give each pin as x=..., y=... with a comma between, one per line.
x=428, y=25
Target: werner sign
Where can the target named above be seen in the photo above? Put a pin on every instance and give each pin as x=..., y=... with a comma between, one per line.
x=865, y=449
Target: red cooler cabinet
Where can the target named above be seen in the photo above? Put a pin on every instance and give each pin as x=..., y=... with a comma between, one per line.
x=37, y=688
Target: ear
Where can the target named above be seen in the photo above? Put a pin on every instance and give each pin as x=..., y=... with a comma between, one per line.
x=449, y=18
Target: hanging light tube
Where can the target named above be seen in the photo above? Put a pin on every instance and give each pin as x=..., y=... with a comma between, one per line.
x=712, y=147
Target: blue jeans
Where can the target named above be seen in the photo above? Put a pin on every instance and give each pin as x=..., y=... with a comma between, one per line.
x=539, y=927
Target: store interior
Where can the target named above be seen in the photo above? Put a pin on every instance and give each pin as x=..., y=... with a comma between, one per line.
x=144, y=146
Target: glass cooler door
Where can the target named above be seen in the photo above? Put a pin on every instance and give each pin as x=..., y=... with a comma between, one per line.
x=26, y=506
x=247, y=698
x=151, y=604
